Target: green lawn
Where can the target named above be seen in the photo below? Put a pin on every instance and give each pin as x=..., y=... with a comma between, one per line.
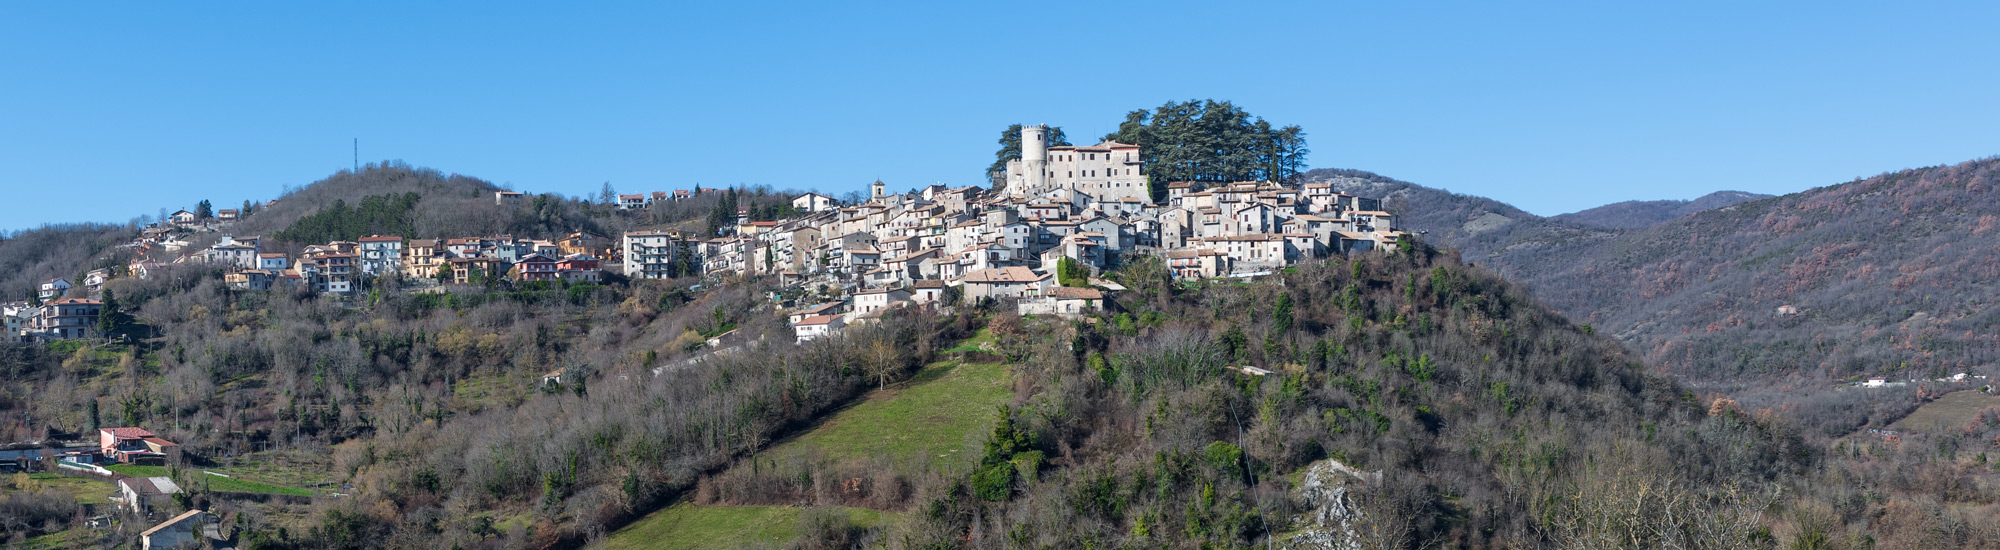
x=1953, y=409
x=233, y=484
x=135, y=470
x=977, y=343
x=68, y=538
x=940, y=414
x=689, y=526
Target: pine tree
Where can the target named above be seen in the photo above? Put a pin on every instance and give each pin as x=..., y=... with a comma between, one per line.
x=1281, y=319
x=109, y=319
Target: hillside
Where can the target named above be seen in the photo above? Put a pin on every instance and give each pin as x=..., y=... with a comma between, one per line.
x=28, y=257
x=1892, y=274
x=1413, y=402
x=1641, y=214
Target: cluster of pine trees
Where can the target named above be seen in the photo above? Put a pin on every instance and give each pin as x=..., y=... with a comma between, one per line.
x=1211, y=141
x=376, y=215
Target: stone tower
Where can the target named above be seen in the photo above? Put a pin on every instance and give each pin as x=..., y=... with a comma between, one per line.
x=877, y=189
x=1034, y=157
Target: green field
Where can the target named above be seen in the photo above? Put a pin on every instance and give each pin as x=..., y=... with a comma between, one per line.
x=690, y=526
x=233, y=484
x=940, y=414
x=977, y=343
x=84, y=490
x=1951, y=410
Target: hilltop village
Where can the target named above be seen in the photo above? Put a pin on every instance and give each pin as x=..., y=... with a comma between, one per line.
x=1058, y=217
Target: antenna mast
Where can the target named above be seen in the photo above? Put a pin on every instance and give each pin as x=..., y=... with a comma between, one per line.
x=357, y=155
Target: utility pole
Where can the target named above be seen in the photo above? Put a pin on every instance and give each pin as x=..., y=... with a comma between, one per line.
x=357, y=155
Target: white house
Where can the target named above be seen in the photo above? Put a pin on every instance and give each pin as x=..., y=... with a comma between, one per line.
x=927, y=291
x=871, y=301
x=829, y=308
x=53, y=288
x=813, y=202
x=817, y=326
x=1004, y=282
x=139, y=492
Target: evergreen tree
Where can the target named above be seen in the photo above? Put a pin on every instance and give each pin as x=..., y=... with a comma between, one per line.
x=1072, y=273
x=1211, y=142
x=109, y=319
x=204, y=210
x=1281, y=319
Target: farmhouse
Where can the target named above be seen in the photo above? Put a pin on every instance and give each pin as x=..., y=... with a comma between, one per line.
x=134, y=446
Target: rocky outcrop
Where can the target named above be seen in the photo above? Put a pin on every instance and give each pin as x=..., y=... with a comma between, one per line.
x=1330, y=511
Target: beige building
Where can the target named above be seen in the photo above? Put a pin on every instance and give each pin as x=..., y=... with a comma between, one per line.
x=1106, y=172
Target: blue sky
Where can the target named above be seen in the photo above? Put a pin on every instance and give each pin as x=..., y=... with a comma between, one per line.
x=109, y=114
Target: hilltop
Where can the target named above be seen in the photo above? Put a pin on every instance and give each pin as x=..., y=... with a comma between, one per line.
x=1642, y=214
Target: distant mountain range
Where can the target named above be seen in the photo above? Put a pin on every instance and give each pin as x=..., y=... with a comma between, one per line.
x=1891, y=275
x=1642, y=214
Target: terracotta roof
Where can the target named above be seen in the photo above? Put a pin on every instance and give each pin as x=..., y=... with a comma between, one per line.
x=816, y=320
x=381, y=239
x=128, y=433
x=927, y=283
x=81, y=301
x=814, y=310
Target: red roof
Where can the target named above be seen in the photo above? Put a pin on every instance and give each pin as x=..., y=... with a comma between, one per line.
x=129, y=433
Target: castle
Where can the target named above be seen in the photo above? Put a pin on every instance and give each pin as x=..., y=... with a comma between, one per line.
x=1109, y=172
